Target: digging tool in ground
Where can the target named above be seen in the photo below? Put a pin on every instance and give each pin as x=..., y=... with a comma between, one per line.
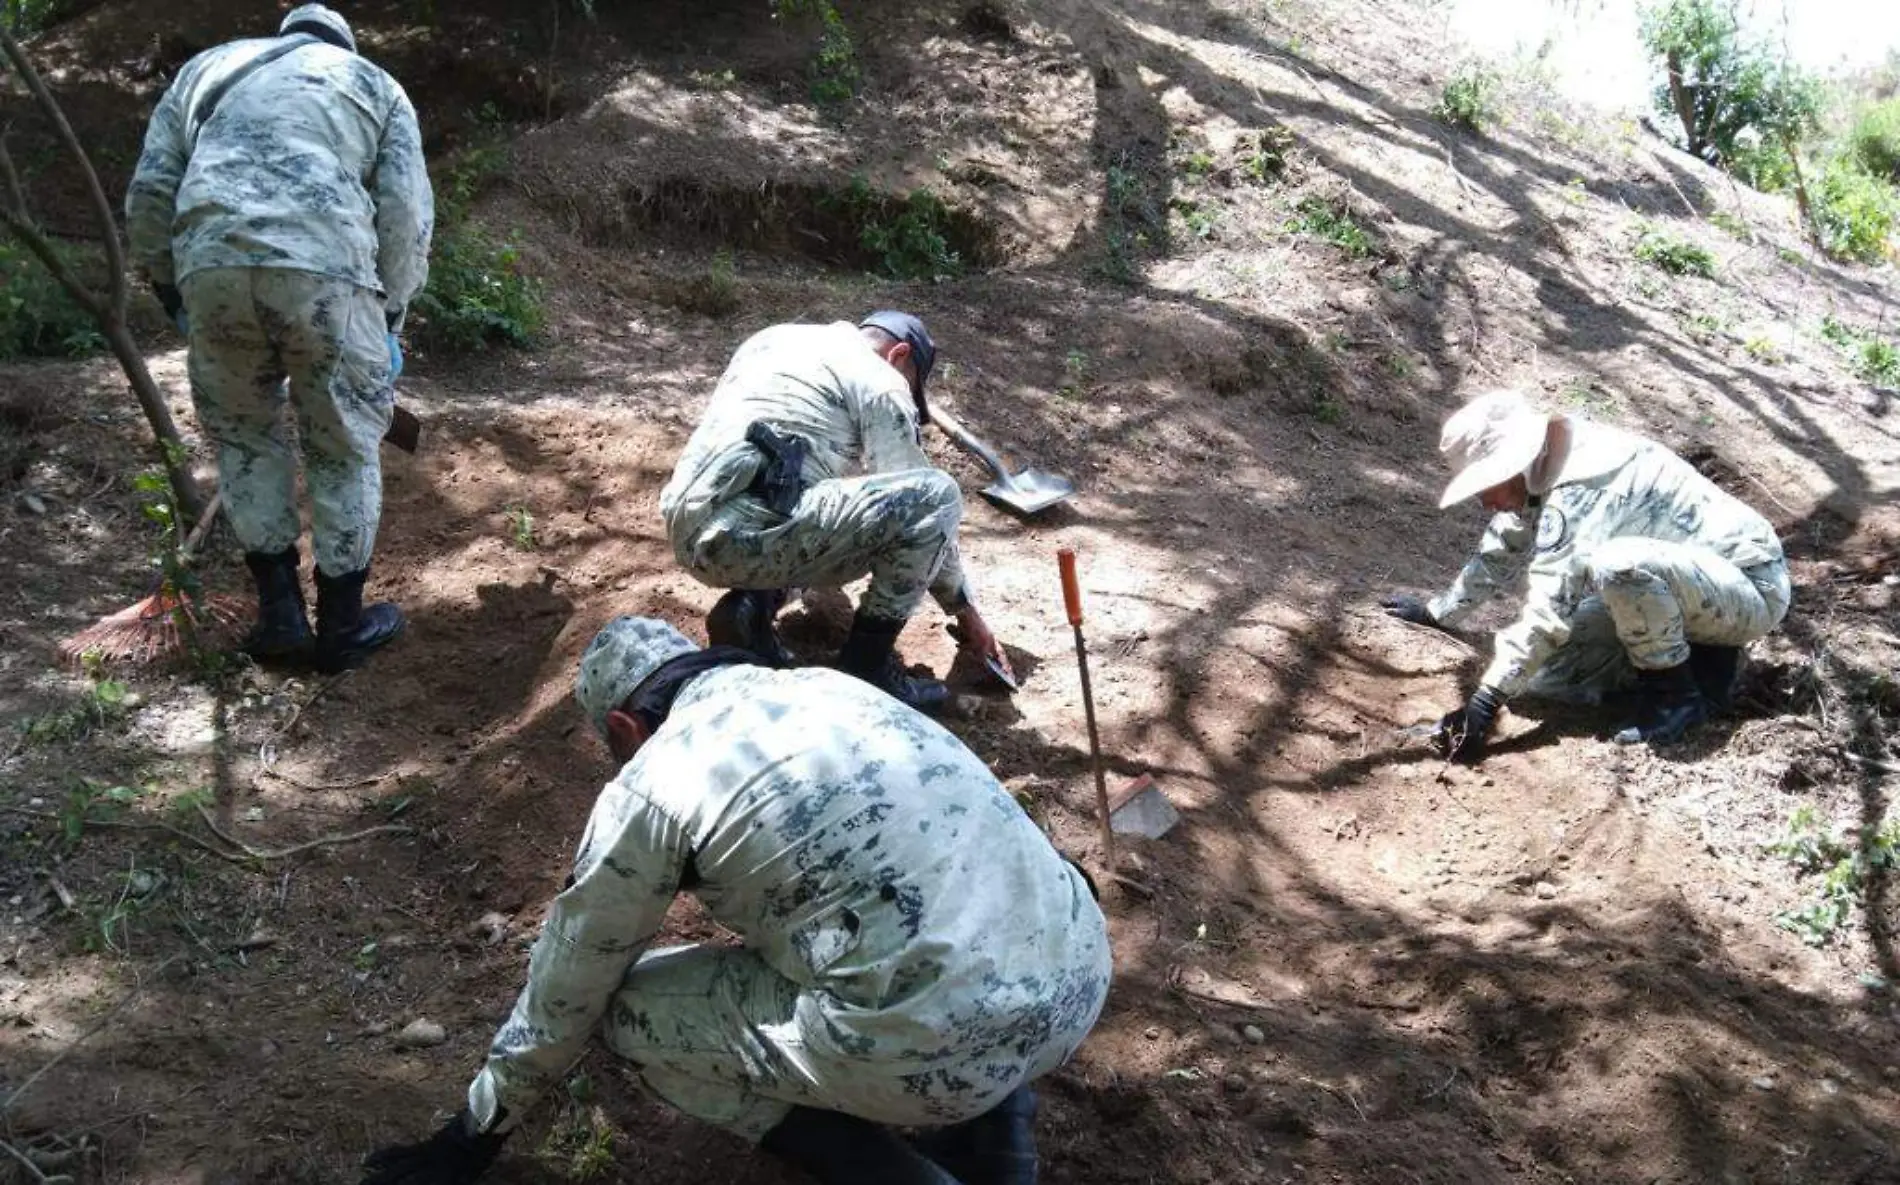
x=1030, y=492
x=1139, y=807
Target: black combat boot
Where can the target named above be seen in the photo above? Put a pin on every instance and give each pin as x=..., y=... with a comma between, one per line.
x=1715, y=669
x=870, y=653
x=743, y=618
x=282, y=632
x=839, y=1149
x=998, y=1147
x=1674, y=705
x=347, y=630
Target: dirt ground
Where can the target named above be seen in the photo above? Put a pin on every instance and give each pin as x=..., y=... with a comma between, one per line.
x=1349, y=963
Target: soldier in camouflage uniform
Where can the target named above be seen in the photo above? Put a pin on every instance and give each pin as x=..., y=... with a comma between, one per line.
x=915, y=953
x=760, y=500
x=1636, y=565
x=282, y=211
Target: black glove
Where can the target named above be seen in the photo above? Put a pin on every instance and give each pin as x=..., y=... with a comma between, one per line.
x=170, y=298
x=450, y=1157
x=1461, y=733
x=1407, y=607
x=393, y=316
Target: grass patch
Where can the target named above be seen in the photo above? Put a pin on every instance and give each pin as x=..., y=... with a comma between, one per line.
x=713, y=292
x=1333, y=222
x=105, y=702
x=1732, y=225
x=1678, y=257
x=521, y=528
x=834, y=75
x=1133, y=222
x=1875, y=359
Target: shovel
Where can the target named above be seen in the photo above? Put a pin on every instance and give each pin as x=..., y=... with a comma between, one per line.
x=1029, y=492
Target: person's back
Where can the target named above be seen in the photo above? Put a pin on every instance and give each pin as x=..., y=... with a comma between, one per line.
x=308, y=162
x=864, y=852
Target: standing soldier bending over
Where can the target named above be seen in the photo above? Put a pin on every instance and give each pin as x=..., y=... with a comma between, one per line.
x=760, y=503
x=282, y=212
x=915, y=952
x=1635, y=561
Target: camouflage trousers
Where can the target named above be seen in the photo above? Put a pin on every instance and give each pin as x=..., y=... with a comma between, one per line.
x=251, y=330
x=895, y=526
x=1652, y=600
x=717, y=1033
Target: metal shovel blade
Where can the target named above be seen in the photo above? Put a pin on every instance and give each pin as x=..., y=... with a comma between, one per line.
x=1030, y=491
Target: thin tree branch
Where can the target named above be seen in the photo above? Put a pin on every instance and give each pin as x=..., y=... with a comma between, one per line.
x=320, y=842
x=115, y=254
x=33, y=1170
x=16, y=193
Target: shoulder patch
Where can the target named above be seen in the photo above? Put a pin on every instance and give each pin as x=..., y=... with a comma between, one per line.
x=1553, y=529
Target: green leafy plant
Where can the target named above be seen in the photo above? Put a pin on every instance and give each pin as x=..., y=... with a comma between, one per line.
x=1197, y=165
x=105, y=702
x=1469, y=99
x=714, y=292
x=1873, y=141
x=1201, y=219
x=1845, y=868
x=478, y=294
x=521, y=527
x=1874, y=358
x=26, y=17
x=580, y=1144
x=909, y=238
x=1076, y=371
x=1332, y=221
x=1762, y=350
x=1854, y=211
x=1328, y=410
x=38, y=317
x=1678, y=257
x=834, y=73
x=1267, y=158
x=1732, y=224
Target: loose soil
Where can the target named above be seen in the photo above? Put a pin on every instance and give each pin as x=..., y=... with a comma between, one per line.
x=1349, y=963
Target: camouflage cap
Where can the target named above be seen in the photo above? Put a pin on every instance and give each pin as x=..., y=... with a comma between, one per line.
x=317, y=20
x=618, y=660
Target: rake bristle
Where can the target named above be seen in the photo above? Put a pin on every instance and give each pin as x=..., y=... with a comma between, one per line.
x=155, y=628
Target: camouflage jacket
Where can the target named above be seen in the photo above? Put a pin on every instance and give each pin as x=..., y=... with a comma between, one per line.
x=1614, y=486
x=937, y=938
x=819, y=382
x=313, y=162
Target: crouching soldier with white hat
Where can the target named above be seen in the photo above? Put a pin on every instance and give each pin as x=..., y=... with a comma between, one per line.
x=1636, y=562
x=915, y=953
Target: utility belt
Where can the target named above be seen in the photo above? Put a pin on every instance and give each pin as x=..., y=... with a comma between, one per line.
x=780, y=481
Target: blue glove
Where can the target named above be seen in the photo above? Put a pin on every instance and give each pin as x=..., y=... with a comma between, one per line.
x=395, y=358
x=183, y=323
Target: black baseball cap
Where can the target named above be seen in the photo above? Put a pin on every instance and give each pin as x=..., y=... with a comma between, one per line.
x=909, y=330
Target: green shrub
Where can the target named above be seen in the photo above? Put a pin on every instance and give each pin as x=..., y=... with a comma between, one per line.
x=1854, y=212
x=38, y=317
x=1678, y=257
x=1469, y=99
x=477, y=294
x=1874, y=140
x=1763, y=166
x=834, y=72
x=1874, y=358
x=907, y=237
x=26, y=17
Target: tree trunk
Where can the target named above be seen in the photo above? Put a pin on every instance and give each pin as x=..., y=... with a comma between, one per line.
x=1684, y=103
x=1801, y=192
x=108, y=308
x=158, y=413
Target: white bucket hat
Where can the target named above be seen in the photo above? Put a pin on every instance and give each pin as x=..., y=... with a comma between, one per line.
x=1489, y=441
x=619, y=659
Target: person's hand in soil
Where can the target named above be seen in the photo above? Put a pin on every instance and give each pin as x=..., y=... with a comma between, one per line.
x=1407, y=607
x=1462, y=732
x=974, y=635
x=453, y=1156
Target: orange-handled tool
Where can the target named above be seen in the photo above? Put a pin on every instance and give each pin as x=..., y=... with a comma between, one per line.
x=1072, y=602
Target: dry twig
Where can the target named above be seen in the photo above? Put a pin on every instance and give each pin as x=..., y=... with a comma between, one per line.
x=324, y=841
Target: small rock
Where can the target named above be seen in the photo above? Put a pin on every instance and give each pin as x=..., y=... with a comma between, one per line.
x=1765, y=1082
x=491, y=927
x=376, y=1028
x=1152, y=1033
x=1234, y=1084
x=258, y=940
x=419, y=1034
x=1253, y=1034
x=1829, y=1086
x=1545, y=890
x=33, y=503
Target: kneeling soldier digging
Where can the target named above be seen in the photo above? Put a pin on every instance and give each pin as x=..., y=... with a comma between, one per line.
x=915, y=952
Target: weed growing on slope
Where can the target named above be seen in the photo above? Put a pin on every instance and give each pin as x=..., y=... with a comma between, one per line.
x=1468, y=100
x=1844, y=868
x=1875, y=359
x=1678, y=257
x=1332, y=221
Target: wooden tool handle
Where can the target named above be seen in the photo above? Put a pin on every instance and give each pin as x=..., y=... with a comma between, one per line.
x=1071, y=591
